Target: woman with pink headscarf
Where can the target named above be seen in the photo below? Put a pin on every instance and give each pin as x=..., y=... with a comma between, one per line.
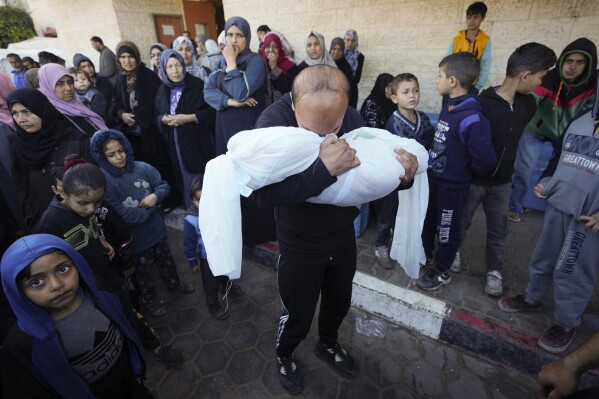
x=281, y=70
x=58, y=85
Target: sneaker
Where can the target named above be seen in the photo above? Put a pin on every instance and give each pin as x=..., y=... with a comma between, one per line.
x=289, y=375
x=557, y=339
x=494, y=285
x=513, y=304
x=235, y=291
x=337, y=357
x=514, y=216
x=382, y=256
x=218, y=312
x=456, y=266
x=433, y=280
x=169, y=356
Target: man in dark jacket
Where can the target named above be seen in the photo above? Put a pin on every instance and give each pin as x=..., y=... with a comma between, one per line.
x=317, y=243
x=508, y=108
x=108, y=65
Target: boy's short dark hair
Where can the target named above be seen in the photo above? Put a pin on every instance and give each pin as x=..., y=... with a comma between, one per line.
x=477, y=8
x=532, y=57
x=97, y=40
x=13, y=55
x=195, y=186
x=402, y=77
x=464, y=66
x=263, y=28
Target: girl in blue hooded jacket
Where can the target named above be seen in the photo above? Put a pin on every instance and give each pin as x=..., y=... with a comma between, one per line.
x=72, y=338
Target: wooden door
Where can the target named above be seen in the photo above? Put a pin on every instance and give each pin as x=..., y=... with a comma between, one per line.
x=199, y=18
x=168, y=28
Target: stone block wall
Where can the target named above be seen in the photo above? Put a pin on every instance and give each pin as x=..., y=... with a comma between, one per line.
x=412, y=36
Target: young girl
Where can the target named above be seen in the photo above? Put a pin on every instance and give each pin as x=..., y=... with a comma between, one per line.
x=73, y=339
x=88, y=94
x=135, y=189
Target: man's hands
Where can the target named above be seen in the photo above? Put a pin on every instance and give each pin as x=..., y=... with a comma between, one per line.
x=556, y=380
x=409, y=163
x=337, y=156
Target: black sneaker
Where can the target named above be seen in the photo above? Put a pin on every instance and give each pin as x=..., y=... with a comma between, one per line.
x=337, y=357
x=218, y=312
x=433, y=280
x=234, y=293
x=289, y=375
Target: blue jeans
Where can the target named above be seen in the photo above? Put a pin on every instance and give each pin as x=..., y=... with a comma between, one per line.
x=529, y=150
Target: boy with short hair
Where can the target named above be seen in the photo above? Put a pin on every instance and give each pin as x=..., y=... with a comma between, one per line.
x=193, y=247
x=409, y=123
x=475, y=41
x=72, y=339
x=567, y=251
x=462, y=145
x=508, y=108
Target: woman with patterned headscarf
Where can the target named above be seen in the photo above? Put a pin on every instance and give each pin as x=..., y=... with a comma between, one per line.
x=238, y=93
x=184, y=46
x=355, y=59
x=133, y=107
x=316, y=52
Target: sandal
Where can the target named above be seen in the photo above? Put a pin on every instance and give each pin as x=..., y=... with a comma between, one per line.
x=183, y=288
x=156, y=309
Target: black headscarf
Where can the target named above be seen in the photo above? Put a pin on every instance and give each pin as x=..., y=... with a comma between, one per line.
x=34, y=149
x=378, y=94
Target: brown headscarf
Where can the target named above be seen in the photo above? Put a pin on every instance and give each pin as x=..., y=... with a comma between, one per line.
x=126, y=46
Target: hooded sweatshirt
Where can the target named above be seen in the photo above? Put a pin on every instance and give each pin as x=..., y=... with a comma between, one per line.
x=125, y=188
x=572, y=176
x=462, y=143
x=33, y=357
x=558, y=102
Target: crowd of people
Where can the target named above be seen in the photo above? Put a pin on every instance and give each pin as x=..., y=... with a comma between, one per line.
x=92, y=159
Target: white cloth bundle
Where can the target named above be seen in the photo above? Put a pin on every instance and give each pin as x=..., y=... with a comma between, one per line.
x=257, y=158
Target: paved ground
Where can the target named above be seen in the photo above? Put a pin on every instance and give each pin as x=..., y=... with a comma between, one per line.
x=235, y=358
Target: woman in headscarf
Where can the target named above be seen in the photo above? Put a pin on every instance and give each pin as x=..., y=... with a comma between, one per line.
x=200, y=48
x=11, y=217
x=316, y=52
x=58, y=85
x=44, y=138
x=133, y=107
x=336, y=51
x=186, y=121
x=238, y=93
x=281, y=70
x=378, y=108
x=184, y=46
x=155, y=51
x=355, y=59
x=213, y=56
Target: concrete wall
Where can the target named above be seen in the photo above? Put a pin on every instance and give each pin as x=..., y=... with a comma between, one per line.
x=412, y=36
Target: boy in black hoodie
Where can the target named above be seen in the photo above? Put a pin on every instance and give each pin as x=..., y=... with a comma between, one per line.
x=508, y=108
x=462, y=145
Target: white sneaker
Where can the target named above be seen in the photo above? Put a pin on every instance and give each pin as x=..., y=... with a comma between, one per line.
x=382, y=256
x=456, y=266
x=494, y=284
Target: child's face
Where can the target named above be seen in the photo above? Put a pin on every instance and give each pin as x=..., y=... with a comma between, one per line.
x=53, y=284
x=115, y=154
x=530, y=81
x=473, y=21
x=407, y=95
x=196, y=198
x=443, y=83
x=82, y=83
x=84, y=204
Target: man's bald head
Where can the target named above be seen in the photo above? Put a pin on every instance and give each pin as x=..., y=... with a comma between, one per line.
x=320, y=79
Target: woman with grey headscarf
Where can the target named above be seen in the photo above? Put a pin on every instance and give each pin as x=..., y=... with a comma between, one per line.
x=316, y=52
x=184, y=46
x=213, y=56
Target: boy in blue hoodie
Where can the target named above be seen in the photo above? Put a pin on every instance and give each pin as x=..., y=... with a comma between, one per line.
x=72, y=339
x=462, y=145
